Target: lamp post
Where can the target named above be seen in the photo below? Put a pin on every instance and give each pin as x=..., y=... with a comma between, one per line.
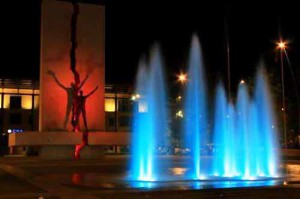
x=281, y=45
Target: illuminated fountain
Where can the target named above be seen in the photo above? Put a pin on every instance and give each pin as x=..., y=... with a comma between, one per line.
x=244, y=136
x=195, y=109
x=244, y=139
x=150, y=121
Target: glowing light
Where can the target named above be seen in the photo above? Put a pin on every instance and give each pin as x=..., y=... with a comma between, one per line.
x=182, y=78
x=179, y=114
x=6, y=101
x=110, y=105
x=242, y=82
x=178, y=98
x=178, y=171
x=9, y=131
x=26, y=102
x=136, y=97
x=281, y=45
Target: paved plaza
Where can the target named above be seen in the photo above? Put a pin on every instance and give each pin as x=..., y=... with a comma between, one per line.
x=30, y=177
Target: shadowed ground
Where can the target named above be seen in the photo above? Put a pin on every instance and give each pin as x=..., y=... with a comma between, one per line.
x=28, y=177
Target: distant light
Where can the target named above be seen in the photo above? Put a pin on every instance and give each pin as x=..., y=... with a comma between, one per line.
x=242, y=82
x=182, y=78
x=136, y=97
x=178, y=98
x=179, y=114
x=282, y=109
x=9, y=131
x=281, y=45
x=178, y=171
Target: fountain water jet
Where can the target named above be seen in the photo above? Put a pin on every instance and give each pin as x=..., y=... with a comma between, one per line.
x=150, y=122
x=267, y=163
x=244, y=137
x=195, y=123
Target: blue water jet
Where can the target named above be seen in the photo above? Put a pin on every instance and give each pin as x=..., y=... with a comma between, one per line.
x=195, y=122
x=224, y=159
x=243, y=134
x=150, y=121
x=268, y=153
x=244, y=129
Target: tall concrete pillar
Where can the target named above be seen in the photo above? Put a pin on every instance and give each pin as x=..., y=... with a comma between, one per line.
x=55, y=56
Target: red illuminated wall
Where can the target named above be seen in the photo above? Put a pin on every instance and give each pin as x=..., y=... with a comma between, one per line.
x=55, y=46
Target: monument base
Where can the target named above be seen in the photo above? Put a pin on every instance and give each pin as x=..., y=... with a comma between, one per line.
x=67, y=152
x=61, y=145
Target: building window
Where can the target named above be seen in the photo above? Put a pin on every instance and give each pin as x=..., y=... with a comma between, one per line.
x=111, y=122
x=124, y=105
x=110, y=105
x=15, y=102
x=124, y=121
x=30, y=119
x=15, y=118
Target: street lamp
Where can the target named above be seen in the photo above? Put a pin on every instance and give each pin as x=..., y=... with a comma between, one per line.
x=281, y=45
x=182, y=78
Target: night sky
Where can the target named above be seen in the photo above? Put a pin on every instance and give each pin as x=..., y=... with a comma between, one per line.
x=132, y=28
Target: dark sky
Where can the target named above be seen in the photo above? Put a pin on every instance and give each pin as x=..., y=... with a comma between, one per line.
x=133, y=26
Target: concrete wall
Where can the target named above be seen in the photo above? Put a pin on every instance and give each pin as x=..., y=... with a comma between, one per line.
x=55, y=47
x=67, y=138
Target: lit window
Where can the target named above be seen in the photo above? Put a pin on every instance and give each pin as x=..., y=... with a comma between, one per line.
x=110, y=105
x=36, y=102
x=26, y=102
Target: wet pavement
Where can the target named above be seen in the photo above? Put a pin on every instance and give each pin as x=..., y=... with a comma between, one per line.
x=30, y=177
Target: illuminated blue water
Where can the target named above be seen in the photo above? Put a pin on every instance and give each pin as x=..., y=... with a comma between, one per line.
x=245, y=137
x=266, y=146
x=224, y=158
x=243, y=129
x=195, y=121
x=150, y=119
